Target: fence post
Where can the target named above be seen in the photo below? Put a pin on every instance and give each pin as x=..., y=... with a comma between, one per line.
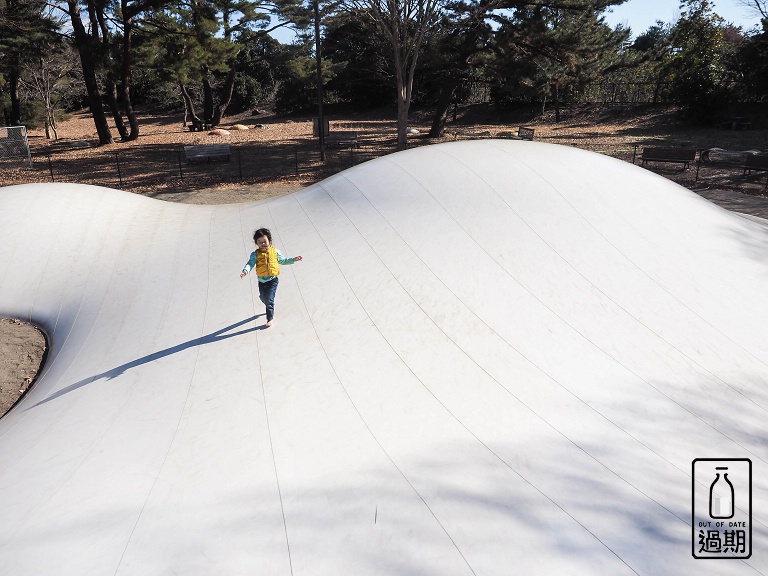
x=50, y=168
x=119, y=174
x=296, y=157
x=181, y=172
x=239, y=164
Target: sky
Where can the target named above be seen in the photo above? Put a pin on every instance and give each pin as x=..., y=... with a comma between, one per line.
x=642, y=14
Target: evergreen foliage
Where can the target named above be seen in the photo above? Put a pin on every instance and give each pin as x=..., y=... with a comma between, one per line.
x=260, y=63
x=297, y=92
x=750, y=66
x=648, y=75
x=697, y=67
x=362, y=76
x=27, y=31
x=214, y=56
x=545, y=52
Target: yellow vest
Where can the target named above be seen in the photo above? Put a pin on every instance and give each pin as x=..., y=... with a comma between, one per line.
x=266, y=262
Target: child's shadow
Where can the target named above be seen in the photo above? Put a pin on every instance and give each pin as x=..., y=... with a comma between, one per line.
x=114, y=372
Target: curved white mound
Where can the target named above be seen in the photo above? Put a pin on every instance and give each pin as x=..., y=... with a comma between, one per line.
x=495, y=358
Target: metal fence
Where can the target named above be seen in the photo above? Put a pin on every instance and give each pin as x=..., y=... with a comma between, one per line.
x=14, y=144
x=481, y=91
x=167, y=166
x=621, y=93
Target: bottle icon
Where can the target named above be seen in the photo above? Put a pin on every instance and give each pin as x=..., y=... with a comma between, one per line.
x=721, y=496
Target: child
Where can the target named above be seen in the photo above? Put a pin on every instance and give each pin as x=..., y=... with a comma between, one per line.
x=266, y=259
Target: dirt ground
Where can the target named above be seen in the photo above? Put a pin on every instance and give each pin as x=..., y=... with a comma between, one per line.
x=616, y=131
x=22, y=347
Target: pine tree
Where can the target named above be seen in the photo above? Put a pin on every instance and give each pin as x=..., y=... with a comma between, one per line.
x=198, y=42
x=25, y=31
x=549, y=50
x=751, y=65
x=528, y=38
x=89, y=48
x=697, y=68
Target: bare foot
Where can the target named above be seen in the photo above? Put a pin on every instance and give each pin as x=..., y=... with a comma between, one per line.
x=269, y=323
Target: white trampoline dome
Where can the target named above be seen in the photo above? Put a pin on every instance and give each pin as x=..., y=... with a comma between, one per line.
x=495, y=358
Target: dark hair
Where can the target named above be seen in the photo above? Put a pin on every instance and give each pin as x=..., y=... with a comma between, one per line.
x=262, y=232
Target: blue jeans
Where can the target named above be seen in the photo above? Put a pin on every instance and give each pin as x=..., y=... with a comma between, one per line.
x=267, y=296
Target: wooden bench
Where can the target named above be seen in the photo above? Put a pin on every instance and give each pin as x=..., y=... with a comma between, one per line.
x=757, y=162
x=682, y=156
x=523, y=133
x=207, y=152
x=468, y=134
x=736, y=123
x=341, y=139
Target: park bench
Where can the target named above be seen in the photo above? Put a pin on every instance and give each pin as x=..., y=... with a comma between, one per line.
x=671, y=155
x=341, y=139
x=523, y=133
x=468, y=134
x=757, y=162
x=207, y=152
x=736, y=123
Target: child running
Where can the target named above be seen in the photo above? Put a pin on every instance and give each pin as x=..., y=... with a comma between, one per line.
x=267, y=259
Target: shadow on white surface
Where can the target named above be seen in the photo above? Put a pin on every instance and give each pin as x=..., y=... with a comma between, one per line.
x=216, y=336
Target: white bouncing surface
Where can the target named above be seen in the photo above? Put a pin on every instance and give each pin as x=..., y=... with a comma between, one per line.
x=496, y=357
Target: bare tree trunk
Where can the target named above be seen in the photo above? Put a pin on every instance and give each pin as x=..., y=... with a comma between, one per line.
x=657, y=88
x=403, y=102
x=207, y=98
x=99, y=24
x=447, y=91
x=88, y=62
x=402, y=115
x=14, y=83
x=111, y=96
x=125, y=81
x=403, y=23
x=319, y=75
x=48, y=115
x=189, y=108
x=54, y=126
x=130, y=114
x=13, y=58
x=226, y=96
x=402, y=122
